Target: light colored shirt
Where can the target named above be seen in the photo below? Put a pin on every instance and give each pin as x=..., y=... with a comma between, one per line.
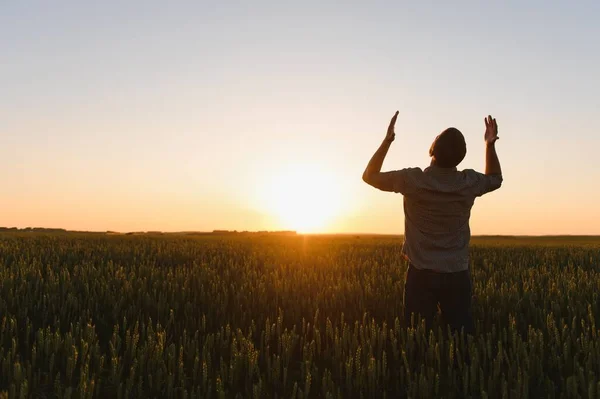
x=437, y=208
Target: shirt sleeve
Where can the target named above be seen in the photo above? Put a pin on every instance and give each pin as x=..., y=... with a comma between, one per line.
x=483, y=184
x=401, y=181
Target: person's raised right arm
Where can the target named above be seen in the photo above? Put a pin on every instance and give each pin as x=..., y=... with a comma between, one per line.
x=492, y=164
x=492, y=179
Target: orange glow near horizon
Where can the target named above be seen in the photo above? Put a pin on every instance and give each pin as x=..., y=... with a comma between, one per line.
x=302, y=197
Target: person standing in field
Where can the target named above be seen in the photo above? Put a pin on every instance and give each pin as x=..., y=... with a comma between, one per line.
x=437, y=207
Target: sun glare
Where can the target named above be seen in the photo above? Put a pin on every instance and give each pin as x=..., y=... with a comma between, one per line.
x=302, y=198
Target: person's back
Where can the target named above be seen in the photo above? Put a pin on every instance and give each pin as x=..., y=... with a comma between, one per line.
x=437, y=208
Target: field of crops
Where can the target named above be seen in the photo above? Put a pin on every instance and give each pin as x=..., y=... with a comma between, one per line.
x=233, y=316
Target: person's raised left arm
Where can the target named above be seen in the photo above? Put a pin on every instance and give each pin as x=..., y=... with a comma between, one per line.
x=372, y=174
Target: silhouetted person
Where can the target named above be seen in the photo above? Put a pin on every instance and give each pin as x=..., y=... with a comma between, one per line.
x=437, y=207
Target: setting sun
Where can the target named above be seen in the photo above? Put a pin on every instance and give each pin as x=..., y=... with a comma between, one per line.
x=302, y=198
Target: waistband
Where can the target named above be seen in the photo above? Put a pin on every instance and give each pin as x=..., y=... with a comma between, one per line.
x=432, y=271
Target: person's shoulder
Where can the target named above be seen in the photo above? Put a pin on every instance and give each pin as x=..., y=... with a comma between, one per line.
x=414, y=174
x=478, y=178
x=413, y=171
x=471, y=173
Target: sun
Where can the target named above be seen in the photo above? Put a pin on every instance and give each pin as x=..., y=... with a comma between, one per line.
x=303, y=198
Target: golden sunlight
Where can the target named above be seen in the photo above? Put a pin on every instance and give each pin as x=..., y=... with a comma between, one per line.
x=303, y=198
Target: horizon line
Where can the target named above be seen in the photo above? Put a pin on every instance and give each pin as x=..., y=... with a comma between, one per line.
x=289, y=232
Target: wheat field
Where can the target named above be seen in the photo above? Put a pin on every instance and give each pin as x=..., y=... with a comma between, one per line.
x=90, y=315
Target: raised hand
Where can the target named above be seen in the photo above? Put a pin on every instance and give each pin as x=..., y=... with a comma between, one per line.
x=391, y=135
x=491, y=130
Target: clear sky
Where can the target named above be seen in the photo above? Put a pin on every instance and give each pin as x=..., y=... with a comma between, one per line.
x=201, y=115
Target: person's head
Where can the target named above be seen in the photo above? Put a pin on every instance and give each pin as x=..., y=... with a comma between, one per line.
x=448, y=149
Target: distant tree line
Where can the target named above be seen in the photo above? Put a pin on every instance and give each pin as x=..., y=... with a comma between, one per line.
x=284, y=232
x=57, y=230
x=42, y=229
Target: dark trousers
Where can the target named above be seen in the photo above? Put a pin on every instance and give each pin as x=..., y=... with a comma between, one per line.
x=425, y=289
